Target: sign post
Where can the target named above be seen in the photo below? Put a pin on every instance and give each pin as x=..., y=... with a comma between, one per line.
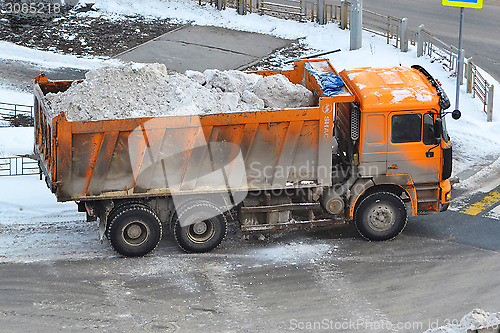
x=462, y=4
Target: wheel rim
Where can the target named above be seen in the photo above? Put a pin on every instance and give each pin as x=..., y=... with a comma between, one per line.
x=381, y=217
x=201, y=231
x=135, y=233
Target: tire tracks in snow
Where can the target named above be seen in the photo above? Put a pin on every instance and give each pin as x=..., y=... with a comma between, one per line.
x=350, y=306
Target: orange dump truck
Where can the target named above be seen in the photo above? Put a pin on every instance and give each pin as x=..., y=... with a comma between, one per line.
x=366, y=155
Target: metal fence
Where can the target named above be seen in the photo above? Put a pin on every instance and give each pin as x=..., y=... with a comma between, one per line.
x=435, y=48
x=16, y=115
x=18, y=166
x=387, y=26
x=9, y=109
x=478, y=86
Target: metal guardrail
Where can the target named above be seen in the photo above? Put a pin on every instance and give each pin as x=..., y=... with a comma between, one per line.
x=435, y=48
x=286, y=7
x=478, y=86
x=18, y=166
x=16, y=114
x=387, y=26
x=9, y=109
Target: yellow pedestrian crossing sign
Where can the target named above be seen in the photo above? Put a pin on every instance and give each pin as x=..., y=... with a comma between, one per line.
x=464, y=3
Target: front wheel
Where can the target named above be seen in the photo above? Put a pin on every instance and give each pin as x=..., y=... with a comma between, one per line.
x=380, y=216
x=200, y=226
x=134, y=230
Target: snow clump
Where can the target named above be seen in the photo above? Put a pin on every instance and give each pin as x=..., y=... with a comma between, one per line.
x=475, y=320
x=147, y=90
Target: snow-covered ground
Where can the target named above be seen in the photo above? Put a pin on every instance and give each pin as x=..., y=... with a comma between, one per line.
x=34, y=227
x=27, y=201
x=475, y=320
x=46, y=59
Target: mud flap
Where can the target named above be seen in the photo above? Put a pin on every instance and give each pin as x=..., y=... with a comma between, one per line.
x=102, y=229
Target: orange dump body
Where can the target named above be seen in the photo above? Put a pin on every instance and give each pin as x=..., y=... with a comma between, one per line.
x=162, y=156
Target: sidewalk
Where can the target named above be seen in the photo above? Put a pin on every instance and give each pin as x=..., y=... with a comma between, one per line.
x=201, y=47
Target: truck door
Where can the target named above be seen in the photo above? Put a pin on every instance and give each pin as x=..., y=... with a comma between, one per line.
x=412, y=147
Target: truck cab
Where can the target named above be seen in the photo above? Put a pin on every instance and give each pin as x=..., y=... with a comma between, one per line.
x=396, y=136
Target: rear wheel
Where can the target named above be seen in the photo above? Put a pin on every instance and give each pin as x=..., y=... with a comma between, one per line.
x=134, y=230
x=118, y=209
x=200, y=226
x=381, y=216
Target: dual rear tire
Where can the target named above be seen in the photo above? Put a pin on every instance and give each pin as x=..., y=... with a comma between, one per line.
x=200, y=226
x=135, y=230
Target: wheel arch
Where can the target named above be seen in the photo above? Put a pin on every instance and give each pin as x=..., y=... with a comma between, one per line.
x=398, y=186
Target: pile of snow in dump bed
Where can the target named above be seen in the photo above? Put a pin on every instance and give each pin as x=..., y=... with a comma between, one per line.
x=135, y=90
x=474, y=320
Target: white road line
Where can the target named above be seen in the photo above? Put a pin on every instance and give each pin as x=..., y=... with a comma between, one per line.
x=494, y=213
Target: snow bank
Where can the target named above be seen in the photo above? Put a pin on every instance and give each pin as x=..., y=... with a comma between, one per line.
x=13, y=96
x=474, y=320
x=47, y=59
x=16, y=141
x=147, y=90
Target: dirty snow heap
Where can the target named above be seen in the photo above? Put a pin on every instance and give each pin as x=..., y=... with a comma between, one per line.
x=135, y=90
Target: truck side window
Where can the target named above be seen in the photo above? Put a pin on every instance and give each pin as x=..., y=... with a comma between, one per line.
x=406, y=128
x=429, y=136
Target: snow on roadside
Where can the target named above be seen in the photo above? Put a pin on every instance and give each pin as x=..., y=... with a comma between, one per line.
x=475, y=320
x=47, y=59
x=35, y=227
x=16, y=141
x=9, y=95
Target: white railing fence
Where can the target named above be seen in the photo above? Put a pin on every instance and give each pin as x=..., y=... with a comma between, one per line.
x=18, y=166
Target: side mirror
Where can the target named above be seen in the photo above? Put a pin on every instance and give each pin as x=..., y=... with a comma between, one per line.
x=438, y=127
x=456, y=114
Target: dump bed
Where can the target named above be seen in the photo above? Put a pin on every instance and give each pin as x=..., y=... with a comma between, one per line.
x=162, y=156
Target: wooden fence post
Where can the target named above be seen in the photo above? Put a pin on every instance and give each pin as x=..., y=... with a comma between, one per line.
x=344, y=14
x=220, y=4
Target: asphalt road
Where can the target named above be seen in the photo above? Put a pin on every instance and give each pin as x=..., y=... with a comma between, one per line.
x=440, y=268
x=480, y=32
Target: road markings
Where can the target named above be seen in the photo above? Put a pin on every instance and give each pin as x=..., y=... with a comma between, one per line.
x=494, y=213
x=491, y=199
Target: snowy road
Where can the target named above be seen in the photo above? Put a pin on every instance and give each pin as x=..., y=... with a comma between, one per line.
x=56, y=276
